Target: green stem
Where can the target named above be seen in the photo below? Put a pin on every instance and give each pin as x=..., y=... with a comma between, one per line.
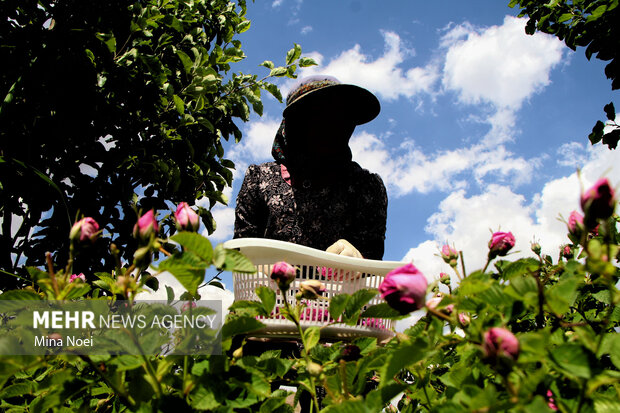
x=293, y=316
x=486, y=265
x=428, y=399
x=122, y=393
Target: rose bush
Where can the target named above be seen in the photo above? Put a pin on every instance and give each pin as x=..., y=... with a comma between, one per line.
x=534, y=334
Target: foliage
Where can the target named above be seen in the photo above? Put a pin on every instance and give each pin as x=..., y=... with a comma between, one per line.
x=593, y=24
x=562, y=317
x=111, y=107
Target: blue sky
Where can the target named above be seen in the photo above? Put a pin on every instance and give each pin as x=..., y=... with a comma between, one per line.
x=482, y=127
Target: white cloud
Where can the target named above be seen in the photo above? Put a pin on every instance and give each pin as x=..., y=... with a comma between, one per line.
x=407, y=168
x=498, y=64
x=465, y=220
x=225, y=219
x=383, y=75
x=257, y=141
x=306, y=29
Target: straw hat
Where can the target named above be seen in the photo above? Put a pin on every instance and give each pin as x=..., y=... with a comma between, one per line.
x=352, y=101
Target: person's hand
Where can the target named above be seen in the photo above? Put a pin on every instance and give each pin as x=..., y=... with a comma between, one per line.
x=345, y=248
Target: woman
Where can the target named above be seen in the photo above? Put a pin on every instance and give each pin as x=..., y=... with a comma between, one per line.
x=313, y=194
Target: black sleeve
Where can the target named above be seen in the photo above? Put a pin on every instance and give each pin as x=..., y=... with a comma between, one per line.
x=250, y=219
x=371, y=217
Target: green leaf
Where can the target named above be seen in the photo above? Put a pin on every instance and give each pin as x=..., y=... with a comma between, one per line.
x=358, y=300
x=572, y=359
x=278, y=72
x=312, y=335
x=17, y=389
x=232, y=260
x=187, y=268
x=204, y=399
x=562, y=295
x=405, y=355
x=267, y=297
x=307, y=62
x=611, y=346
x=606, y=405
x=18, y=295
x=243, y=26
x=293, y=54
x=186, y=61
x=381, y=310
x=178, y=104
x=521, y=267
x=195, y=243
x=169, y=294
x=240, y=325
x=246, y=307
x=337, y=304
x=268, y=64
x=610, y=111
x=597, y=132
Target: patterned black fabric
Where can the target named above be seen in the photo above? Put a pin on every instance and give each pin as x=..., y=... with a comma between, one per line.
x=353, y=206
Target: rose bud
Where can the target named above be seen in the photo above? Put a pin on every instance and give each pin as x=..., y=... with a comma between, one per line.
x=85, y=229
x=146, y=227
x=186, y=218
x=464, y=319
x=500, y=342
x=567, y=252
x=598, y=202
x=575, y=223
x=311, y=289
x=536, y=248
x=187, y=304
x=450, y=255
x=551, y=401
x=75, y=277
x=444, y=278
x=433, y=302
x=404, y=289
x=500, y=244
x=283, y=274
x=314, y=369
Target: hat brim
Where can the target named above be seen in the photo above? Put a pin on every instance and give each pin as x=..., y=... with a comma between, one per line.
x=352, y=101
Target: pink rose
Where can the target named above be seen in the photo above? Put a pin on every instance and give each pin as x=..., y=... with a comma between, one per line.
x=186, y=218
x=598, y=202
x=500, y=342
x=146, y=226
x=404, y=289
x=79, y=276
x=575, y=223
x=444, y=278
x=85, y=229
x=500, y=244
x=283, y=274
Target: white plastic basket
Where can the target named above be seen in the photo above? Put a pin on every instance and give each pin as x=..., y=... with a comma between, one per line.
x=340, y=274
